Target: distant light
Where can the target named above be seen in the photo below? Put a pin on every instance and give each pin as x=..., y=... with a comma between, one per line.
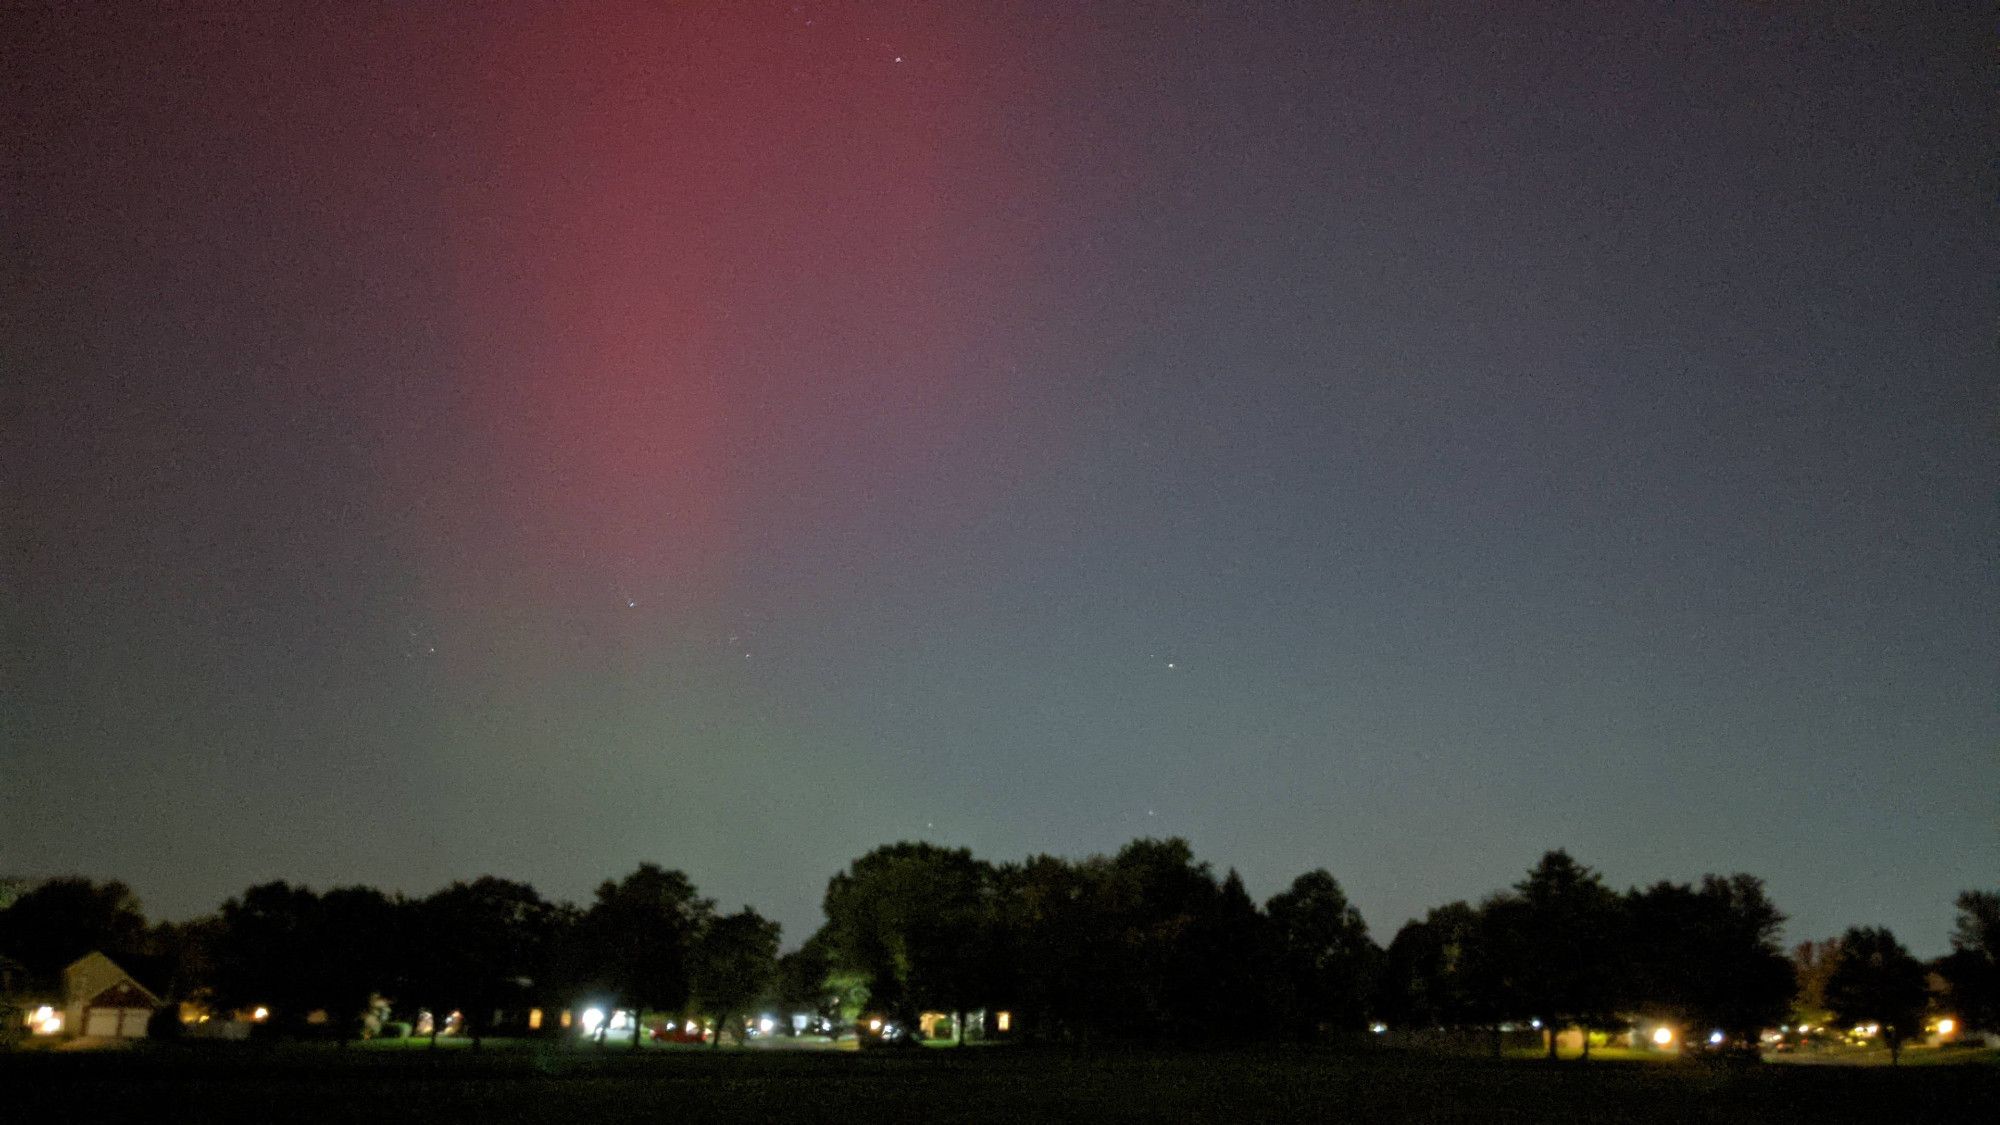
x=1378, y=1028
x=1947, y=1025
x=766, y=1024
x=261, y=1014
x=1536, y=1024
x=1663, y=1036
x=46, y=1020
x=1715, y=1039
x=874, y=1025
x=1006, y=1020
x=593, y=1018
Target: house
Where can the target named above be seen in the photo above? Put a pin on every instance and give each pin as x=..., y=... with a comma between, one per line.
x=102, y=1001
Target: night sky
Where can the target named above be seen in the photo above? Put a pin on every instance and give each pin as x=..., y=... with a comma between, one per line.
x=1400, y=438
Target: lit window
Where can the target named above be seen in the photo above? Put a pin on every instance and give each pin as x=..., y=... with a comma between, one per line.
x=1005, y=1021
x=534, y=1019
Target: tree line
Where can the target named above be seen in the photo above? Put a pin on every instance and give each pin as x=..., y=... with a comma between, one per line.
x=490, y=949
x=1146, y=944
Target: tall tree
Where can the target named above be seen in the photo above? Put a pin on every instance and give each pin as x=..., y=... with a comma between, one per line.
x=641, y=932
x=1184, y=948
x=1709, y=959
x=267, y=952
x=187, y=951
x=805, y=981
x=482, y=946
x=1327, y=965
x=1507, y=967
x=1055, y=950
x=1812, y=966
x=914, y=919
x=60, y=920
x=1972, y=968
x=355, y=950
x=1429, y=971
x=1568, y=974
x=1875, y=980
x=735, y=964
x=1234, y=939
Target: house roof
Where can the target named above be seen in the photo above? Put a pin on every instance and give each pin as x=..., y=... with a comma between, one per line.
x=94, y=974
x=124, y=994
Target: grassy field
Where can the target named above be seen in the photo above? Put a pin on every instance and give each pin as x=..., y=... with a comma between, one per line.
x=532, y=1083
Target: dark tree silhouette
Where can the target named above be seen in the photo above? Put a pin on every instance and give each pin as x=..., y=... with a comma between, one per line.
x=1709, y=959
x=60, y=920
x=640, y=935
x=1972, y=969
x=1326, y=962
x=1234, y=937
x=1812, y=965
x=735, y=964
x=481, y=946
x=1056, y=952
x=355, y=952
x=914, y=920
x=1144, y=944
x=1183, y=948
x=802, y=985
x=1564, y=951
x=1429, y=972
x=186, y=952
x=1875, y=980
x=267, y=953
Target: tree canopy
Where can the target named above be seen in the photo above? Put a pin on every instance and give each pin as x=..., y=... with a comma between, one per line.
x=1876, y=981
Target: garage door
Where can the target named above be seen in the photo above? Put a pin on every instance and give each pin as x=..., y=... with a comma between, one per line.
x=134, y=1025
x=102, y=1023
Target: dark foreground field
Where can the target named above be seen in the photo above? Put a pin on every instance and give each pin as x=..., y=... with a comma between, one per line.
x=324, y=1084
